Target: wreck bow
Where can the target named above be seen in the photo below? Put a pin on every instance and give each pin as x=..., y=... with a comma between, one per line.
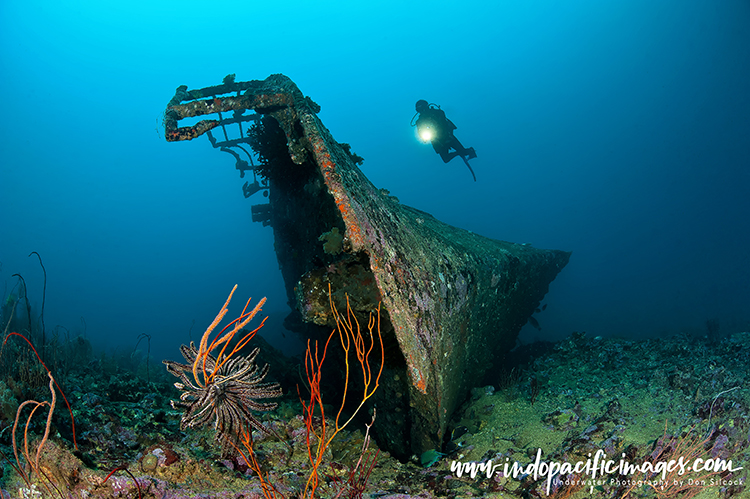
x=453, y=301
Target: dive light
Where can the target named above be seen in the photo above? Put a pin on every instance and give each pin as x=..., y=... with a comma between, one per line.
x=426, y=133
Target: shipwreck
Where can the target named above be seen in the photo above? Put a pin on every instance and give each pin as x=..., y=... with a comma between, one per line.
x=452, y=301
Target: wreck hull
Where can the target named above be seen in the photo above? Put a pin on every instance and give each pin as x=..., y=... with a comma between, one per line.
x=452, y=301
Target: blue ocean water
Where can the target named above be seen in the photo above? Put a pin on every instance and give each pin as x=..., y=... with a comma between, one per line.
x=617, y=130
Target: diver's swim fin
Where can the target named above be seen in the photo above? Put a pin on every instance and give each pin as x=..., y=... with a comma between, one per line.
x=467, y=164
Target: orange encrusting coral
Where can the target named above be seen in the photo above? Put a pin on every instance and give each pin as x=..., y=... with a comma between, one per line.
x=343, y=202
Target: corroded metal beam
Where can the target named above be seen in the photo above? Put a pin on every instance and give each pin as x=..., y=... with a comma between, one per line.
x=453, y=301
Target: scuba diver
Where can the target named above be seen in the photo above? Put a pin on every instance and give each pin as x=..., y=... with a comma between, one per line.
x=434, y=127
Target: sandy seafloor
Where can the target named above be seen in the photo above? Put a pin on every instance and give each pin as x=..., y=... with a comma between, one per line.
x=651, y=400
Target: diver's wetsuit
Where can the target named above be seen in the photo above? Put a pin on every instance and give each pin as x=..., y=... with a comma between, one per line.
x=444, y=139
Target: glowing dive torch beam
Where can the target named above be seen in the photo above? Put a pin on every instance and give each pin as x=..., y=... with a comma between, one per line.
x=426, y=135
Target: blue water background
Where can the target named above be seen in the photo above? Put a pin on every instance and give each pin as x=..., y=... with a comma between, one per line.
x=618, y=130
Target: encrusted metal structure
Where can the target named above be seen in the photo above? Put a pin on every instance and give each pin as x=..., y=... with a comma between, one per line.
x=453, y=301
